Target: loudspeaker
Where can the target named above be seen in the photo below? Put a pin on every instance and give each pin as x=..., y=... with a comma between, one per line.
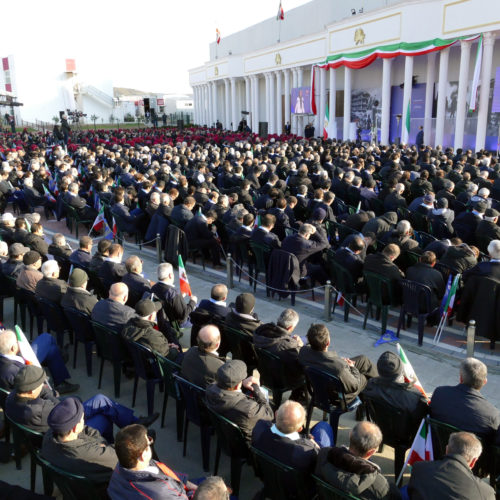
x=146, y=105
x=180, y=124
x=263, y=129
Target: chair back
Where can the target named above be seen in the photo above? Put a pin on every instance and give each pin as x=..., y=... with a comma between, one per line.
x=420, y=222
x=10, y=284
x=281, y=482
x=167, y=369
x=344, y=231
x=109, y=344
x=327, y=491
x=80, y=324
x=343, y=278
x=416, y=297
x=3, y=396
x=444, y=270
x=25, y=436
x=328, y=390
x=72, y=486
x=192, y=395
x=272, y=371
x=440, y=432
x=97, y=285
x=145, y=362
x=230, y=436
x=31, y=301
x=54, y=315
x=240, y=344
x=64, y=266
x=281, y=260
x=380, y=289
x=261, y=253
x=424, y=238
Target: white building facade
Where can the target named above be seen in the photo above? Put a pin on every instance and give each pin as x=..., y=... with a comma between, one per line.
x=383, y=73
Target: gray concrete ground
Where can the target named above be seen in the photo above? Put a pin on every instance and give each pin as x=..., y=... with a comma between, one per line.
x=433, y=366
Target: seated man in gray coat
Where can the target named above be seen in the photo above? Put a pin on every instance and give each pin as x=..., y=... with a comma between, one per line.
x=112, y=312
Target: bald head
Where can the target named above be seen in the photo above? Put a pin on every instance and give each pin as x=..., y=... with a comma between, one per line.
x=219, y=292
x=290, y=417
x=8, y=342
x=119, y=292
x=209, y=338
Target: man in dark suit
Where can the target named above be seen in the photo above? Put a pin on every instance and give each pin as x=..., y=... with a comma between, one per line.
x=353, y=373
x=201, y=362
x=77, y=296
x=488, y=229
x=466, y=223
x=79, y=204
x=490, y=269
x=32, y=197
x=263, y=235
x=83, y=255
x=349, y=257
x=20, y=231
x=217, y=302
x=464, y=406
x=303, y=245
x=137, y=284
x=383, y=263
x=424, y=273
x=112, y=312
x=50, y=287
x=127, y=222
x=200, y=237
x=36, y=241
x=282, y=221
x=182, y=213
x=452, y=476
x=112, y=270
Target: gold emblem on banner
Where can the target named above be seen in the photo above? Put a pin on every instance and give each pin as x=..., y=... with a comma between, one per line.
x=359, y=36
x=216, y=71
x=277, y=59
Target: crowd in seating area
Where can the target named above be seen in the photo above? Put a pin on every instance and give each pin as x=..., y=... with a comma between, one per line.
x=376, y=221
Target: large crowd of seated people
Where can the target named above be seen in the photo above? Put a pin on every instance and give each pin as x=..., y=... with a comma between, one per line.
x=421, y=214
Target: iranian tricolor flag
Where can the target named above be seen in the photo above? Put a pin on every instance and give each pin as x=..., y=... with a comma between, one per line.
x=183, y=279
x=327, y=121
x=477, y=74
x=25, y=349
x=449, y=298
x=408, y=371
x=257, y=221
x=99, y=222
x=49, y=195
x=421, y=450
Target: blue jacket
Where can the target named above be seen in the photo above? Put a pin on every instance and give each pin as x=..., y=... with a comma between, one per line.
x=80, y=258
x=127, y=484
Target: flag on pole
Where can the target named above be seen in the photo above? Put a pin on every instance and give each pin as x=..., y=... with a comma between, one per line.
x=25, y=348
x=340, y=299
x=217, y=36
x=281, y=13
x=313, y=83
x=408, y=118
x=115, y=228
x=325, y=126
x=49, y=195
x=421, y=450
x=183, y=279
x=99, y=222
x=449, y=297
x=28, y=225
x=108, y=232
x=409, y=373
x=257, y=221
x=53, y=186
x=477, y=74
x=358, y=208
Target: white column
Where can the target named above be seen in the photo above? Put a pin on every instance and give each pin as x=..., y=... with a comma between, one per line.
x=386, y=101
x=441, y=103
x=204, y=103
x=429, y=96
x=234, y=115
x=248, y=100
x=195, y=101
x=347, y=102
x=322, y=101
x=256, y=104
x=408, y=81
x=286, y=72
x=266, y=113
x=333, y=100
x=300, y=118
x=294, y=116
x=272, y=103
x=317, y=95
x=227, y=114
x=215, y=100
x=484, y=95
x=279, y=105
x=210, y=104
x=463, y=80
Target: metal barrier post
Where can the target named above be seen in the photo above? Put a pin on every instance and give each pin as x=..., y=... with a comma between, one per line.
x=229, y=271
x=471, y=335
x=158, y=247
x=328, y=301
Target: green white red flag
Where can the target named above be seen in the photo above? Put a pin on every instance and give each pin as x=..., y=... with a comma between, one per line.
x=25, y=349
x=99, y=222
x=183, y=279
x=408, y=372
x=327, y=120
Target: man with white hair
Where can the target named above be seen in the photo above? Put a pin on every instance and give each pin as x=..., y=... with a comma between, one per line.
x=32, y=197
x=395, y=199
x=4, y=252
x=451, y=477
x=59, y=247
x=402, y=237
x=487, y=229
x=7, y=227
x=491, y=268
x=113, y=311
x=50, y=287
x=73, y=199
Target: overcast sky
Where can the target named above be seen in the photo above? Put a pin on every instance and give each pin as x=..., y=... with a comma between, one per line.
x=144, y=44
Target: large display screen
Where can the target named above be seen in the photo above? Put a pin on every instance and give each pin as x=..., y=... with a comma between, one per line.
x=301, y=100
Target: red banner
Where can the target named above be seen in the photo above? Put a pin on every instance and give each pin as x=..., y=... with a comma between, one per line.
x=160, y=102
x=5, y=63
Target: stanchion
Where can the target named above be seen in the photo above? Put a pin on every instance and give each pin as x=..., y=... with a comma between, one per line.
x=229, y=271
x=158, y=248
x=328, y=301
x=471, y=335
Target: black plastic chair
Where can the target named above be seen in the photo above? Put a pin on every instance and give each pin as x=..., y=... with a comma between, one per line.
x=281, y=482
x=55, y=318
x=72, y=216
x=110, y=348
x=241, y=346
x=171, y=388
x=261, y=254
x=193, y=397
x=328, y=394
x=381, y=295
x=83, y=333
x=10, y=285
x=245, y=256
x=31, y=304
x=343, y=281
x=146, y=367
x=64, y=266
x=424, y=238
x=327, y=491
x=230, y=440
x=97, y=285
x=495, y=468
x=420, y=222
x=3, y=396
x=416, y=302
x=397, y=428
x=274, y=375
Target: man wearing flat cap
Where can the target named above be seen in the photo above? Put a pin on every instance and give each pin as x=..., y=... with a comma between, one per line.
x=390, y=388
x=77, y=296
x=226, y=397
x=141, y=329
x=30, y=274
x=13, y=266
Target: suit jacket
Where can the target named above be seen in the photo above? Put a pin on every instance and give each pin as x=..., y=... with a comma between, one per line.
x=213, y=308
x=303, y=249
x=352, y=262
x=282, y=222
x=449, y=478
x=427, y=275
x=80, y=258
x=8, y=371
x=80, y=299
x=112, y=314
x=467, y=409
x=37, y=243
x=20, y=236
x=111, y=272
x=465, y=225
x=181, y=215
x=32, y=197
x=200, y=367
x=137, y=285
x=378, y=263
x=263, y=237
x=300, y=454
x=52, y=289
x=127, y=221
x=197, y=229
x=174, y=305
x=489, y=269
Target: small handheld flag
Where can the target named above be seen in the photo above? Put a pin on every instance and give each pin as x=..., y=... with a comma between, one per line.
x=28, y=225
x=49, y=195
x=25, y=349
x=99, y=222
x=280, y=16
x=408, y=371
x=183, y=279
x=325, y=126
x=408, y=118
x=217, y=36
